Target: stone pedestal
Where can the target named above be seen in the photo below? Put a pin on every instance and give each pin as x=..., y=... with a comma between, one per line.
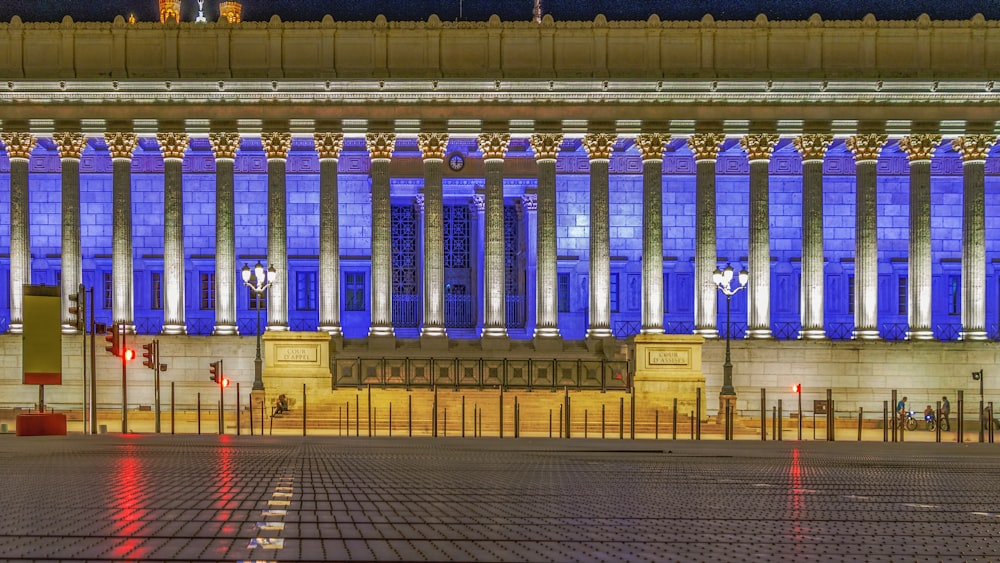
x=294, y=359
x=668, y=366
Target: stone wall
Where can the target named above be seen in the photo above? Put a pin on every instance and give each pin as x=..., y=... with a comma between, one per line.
x=599, y=49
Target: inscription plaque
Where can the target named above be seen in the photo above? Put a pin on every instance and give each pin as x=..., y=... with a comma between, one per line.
x=296, y=354
x=668, y=358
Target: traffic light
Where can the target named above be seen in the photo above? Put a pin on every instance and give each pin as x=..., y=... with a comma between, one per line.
x=113, y=338
x=149, y=355
x=796, y=388
x=129, y=354
x=225, y=382
x=213, y=368
x=78, y=309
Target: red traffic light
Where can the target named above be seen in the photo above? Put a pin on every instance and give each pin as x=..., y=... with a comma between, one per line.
x=129, y=354
x=149, y=355
x=225, y=382
x=113, y=340
x=796, y=388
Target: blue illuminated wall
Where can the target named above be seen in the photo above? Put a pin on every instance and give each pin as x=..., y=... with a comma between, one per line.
x=573, y=198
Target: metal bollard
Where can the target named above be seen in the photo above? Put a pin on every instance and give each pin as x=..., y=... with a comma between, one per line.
x=961, y=417
x=774, y=423
x=172, y=425
x=691, y=419
x=199, y=414
x=602, y=420
x=697, y=410
x=763, y=414
x=861, y=416
x=937, y=427
x=779, y=417
x=895, y=415
x=885, y=421
x=621, y=418
x=586, y=425
x=656, y=424
x=673, y=426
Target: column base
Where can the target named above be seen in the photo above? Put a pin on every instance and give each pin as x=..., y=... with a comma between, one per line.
x=436, y=340
x=759, y=333
x=332, y=330
x=15, y=328
x=651, y=330
x=707, y=332
x=174, y=329
x=382, y=342
x=920, y=334
x=973, y=335
x=379, y=331
x=547, y=344
x=546, y=332
x=865, y=334
x=69, y=329
x=721, y=415
x=277, y=328
x=225, y=330
x=812, y=334
x=494, y=332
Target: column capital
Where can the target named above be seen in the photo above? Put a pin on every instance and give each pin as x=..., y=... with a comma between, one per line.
x=545, y=145
x=652, y=145
x=70, y=145
x=432, y=145
x=172, y=145
x=19, y=145
x=759, y=146
x=529, y=202
x=328, y=145
x=599, y=145
x=706, y=146
x=866, y=147
x=920, y=146
x=973, y=147
x=121, y=145
x=380, y=145
x=276, y=145
x=812, y=146
x=224, y=145
x=478, y=203
x=493, y=145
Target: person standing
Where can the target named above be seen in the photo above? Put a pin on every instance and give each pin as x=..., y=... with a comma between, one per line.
x=945, y=411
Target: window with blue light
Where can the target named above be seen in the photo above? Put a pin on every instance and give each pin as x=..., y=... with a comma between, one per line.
x=256, y=301
x=562, y=281
x=954, y=295
x=354, y=291
x=305, y=291
x=850, y=294
x=107, y=291
x=666, y=293
x=206, y=291
x=614, y=293
x=156, y=291
x=901, y=295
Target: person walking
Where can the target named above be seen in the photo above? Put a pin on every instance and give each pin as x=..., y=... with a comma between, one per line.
x=945, y=411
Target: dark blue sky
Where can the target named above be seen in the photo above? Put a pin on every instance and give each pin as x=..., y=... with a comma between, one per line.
x=510, y=10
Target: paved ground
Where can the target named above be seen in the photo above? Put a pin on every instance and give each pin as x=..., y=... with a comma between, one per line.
x=147, y=497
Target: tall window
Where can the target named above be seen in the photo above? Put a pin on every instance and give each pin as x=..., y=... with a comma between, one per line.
x=954, y=295
x=563, y=291
x=354, y=291
x=614, y=293
x=666, y=293
x=206, y=290
x=305, y=291
x=107, y=291
x=901, y=295
x=156, y=290
x=850, y=294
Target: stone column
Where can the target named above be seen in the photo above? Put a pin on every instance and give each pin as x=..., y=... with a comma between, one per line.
x=380, y=147
x=813, y=148
x=599, y=148
x=919, y=149
x=328, y=148
x=546, y=147
x=19, y=147
x=494, y=149
x=974, y=150
x=477, y=205
x=121, y=146
x=651, y=146
x=173, y=146
x=705, y=147
x=528, y=212
x=276, y=147
x=432, y=147
x=759, y=148
x=866, y=149
x=70, y=146
x=224, y=147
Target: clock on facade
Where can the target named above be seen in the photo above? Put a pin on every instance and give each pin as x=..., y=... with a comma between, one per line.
x=456, y=162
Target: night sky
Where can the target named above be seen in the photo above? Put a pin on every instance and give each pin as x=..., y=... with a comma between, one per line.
x=509, y=10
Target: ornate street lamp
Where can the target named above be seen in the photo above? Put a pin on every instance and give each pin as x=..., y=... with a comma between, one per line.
x=258, y=281
x=723, y=280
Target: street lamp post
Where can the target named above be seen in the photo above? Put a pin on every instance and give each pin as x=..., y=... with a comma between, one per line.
x=258, y=280
x=723, y=280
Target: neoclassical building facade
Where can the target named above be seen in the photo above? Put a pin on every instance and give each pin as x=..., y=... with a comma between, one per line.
x=516, y=187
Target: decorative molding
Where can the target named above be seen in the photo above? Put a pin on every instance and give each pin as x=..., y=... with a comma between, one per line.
x=652, y=145
x=812, y=146
x=599, y=145
x=432, y=145
x=493, y=145
x=973, y=147
x=529, y=202
x=19, y=145
x=380, y=145
x=866, y=147
x=546, y=145
x=121, y=145
x=70, y=145
x=758, y=146
x=706, y=146
x=224, y=145
x=173, y=145
x=276, y=145
x=478, y=203
x=328, y=145
x=919, y=146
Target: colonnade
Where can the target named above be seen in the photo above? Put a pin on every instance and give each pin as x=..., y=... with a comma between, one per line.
x=493, y=146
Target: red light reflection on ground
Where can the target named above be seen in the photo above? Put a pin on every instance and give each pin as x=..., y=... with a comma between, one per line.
x=797, y=500
x=129, y=498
